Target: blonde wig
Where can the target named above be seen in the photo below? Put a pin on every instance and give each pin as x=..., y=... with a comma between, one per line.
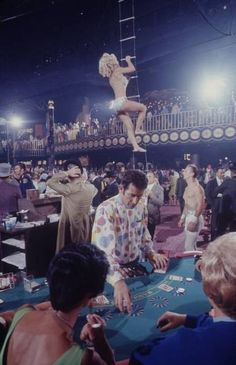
x=218, y=269
x=107, y=63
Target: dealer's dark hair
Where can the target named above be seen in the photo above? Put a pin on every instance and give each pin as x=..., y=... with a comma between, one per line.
x=76, y=272
x=135, y=177
x=73, y=162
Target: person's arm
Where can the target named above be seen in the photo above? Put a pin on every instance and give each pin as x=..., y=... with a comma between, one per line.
x=200, y=201
x=130, y=68
x=56, y=184
x=93, y=332
x=171, y=320
x=104, y=237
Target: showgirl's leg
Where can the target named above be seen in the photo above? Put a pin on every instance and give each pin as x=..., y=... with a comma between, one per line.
x=130, y=130
x=133, y=106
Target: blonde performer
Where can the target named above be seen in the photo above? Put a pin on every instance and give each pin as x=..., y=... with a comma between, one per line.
x=109, y=67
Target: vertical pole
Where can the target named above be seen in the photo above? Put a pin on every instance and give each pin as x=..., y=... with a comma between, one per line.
x=7, y=145
x=50, y=135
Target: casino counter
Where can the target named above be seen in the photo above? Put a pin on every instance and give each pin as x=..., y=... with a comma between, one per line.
x=126, y=331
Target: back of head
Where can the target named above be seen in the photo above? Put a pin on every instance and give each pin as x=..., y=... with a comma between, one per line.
x=76, y=273
x=135, y=177
x=72, y=163
x=5, y=170
x=106, y=64
x=218, y=268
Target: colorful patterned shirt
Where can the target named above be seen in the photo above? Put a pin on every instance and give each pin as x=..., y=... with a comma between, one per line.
x=122, y=233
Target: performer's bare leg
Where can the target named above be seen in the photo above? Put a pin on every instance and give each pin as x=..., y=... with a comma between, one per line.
x=133, y=106
x=130, y=130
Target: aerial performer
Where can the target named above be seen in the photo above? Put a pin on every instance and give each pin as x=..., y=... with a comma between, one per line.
x=109, y=67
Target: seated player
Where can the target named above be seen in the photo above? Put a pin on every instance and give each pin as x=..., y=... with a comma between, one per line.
x=209, y=338
x=44, y=335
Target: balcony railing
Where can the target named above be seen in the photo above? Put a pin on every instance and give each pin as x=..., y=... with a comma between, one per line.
x=210, y=117
x=186, y=120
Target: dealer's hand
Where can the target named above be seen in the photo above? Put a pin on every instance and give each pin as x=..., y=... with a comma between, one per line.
x=157, y=260
x=122, y=296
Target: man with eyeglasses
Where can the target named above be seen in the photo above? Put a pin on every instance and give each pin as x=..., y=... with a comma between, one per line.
x=120, y=230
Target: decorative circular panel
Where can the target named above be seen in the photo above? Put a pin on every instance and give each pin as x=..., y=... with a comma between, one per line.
x=184, y=135
x=164, y=137
x=195, y=135
x=206, y=134
x=230, y=132
x=155, y=138
x=108, y=142
x=146, y=138
x=115, y=141
x=122, y=140
x=174, y=136
x=218, y=133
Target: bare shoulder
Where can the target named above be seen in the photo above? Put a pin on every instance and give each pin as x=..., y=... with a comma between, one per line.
x=200, y=189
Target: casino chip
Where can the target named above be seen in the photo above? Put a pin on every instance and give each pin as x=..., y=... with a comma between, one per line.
x=178, y=292
x=159, y=302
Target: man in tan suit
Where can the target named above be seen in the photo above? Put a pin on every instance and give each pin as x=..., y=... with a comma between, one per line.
x=75, y=222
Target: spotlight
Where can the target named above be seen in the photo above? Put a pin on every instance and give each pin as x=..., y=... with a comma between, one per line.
x=16, y=122
x=213, y=88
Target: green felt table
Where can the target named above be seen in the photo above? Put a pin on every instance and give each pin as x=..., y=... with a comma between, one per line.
x=126, y=331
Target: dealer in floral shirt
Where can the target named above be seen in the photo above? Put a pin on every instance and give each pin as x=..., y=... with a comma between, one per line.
x=120, y=229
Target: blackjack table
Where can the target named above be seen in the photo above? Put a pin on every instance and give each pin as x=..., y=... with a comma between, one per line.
x=179, y=290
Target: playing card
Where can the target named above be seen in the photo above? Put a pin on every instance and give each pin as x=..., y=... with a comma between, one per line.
x=165, y=287
x=101, y=299
x=161, y=271
x=176, y=278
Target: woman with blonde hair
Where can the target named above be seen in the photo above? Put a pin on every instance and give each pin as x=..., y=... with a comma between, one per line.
x=209, y=338
x=109, y=67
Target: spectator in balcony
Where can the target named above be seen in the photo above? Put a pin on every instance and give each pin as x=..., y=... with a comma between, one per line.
x=24, y=180
x=75, y=223
x=109, y=67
